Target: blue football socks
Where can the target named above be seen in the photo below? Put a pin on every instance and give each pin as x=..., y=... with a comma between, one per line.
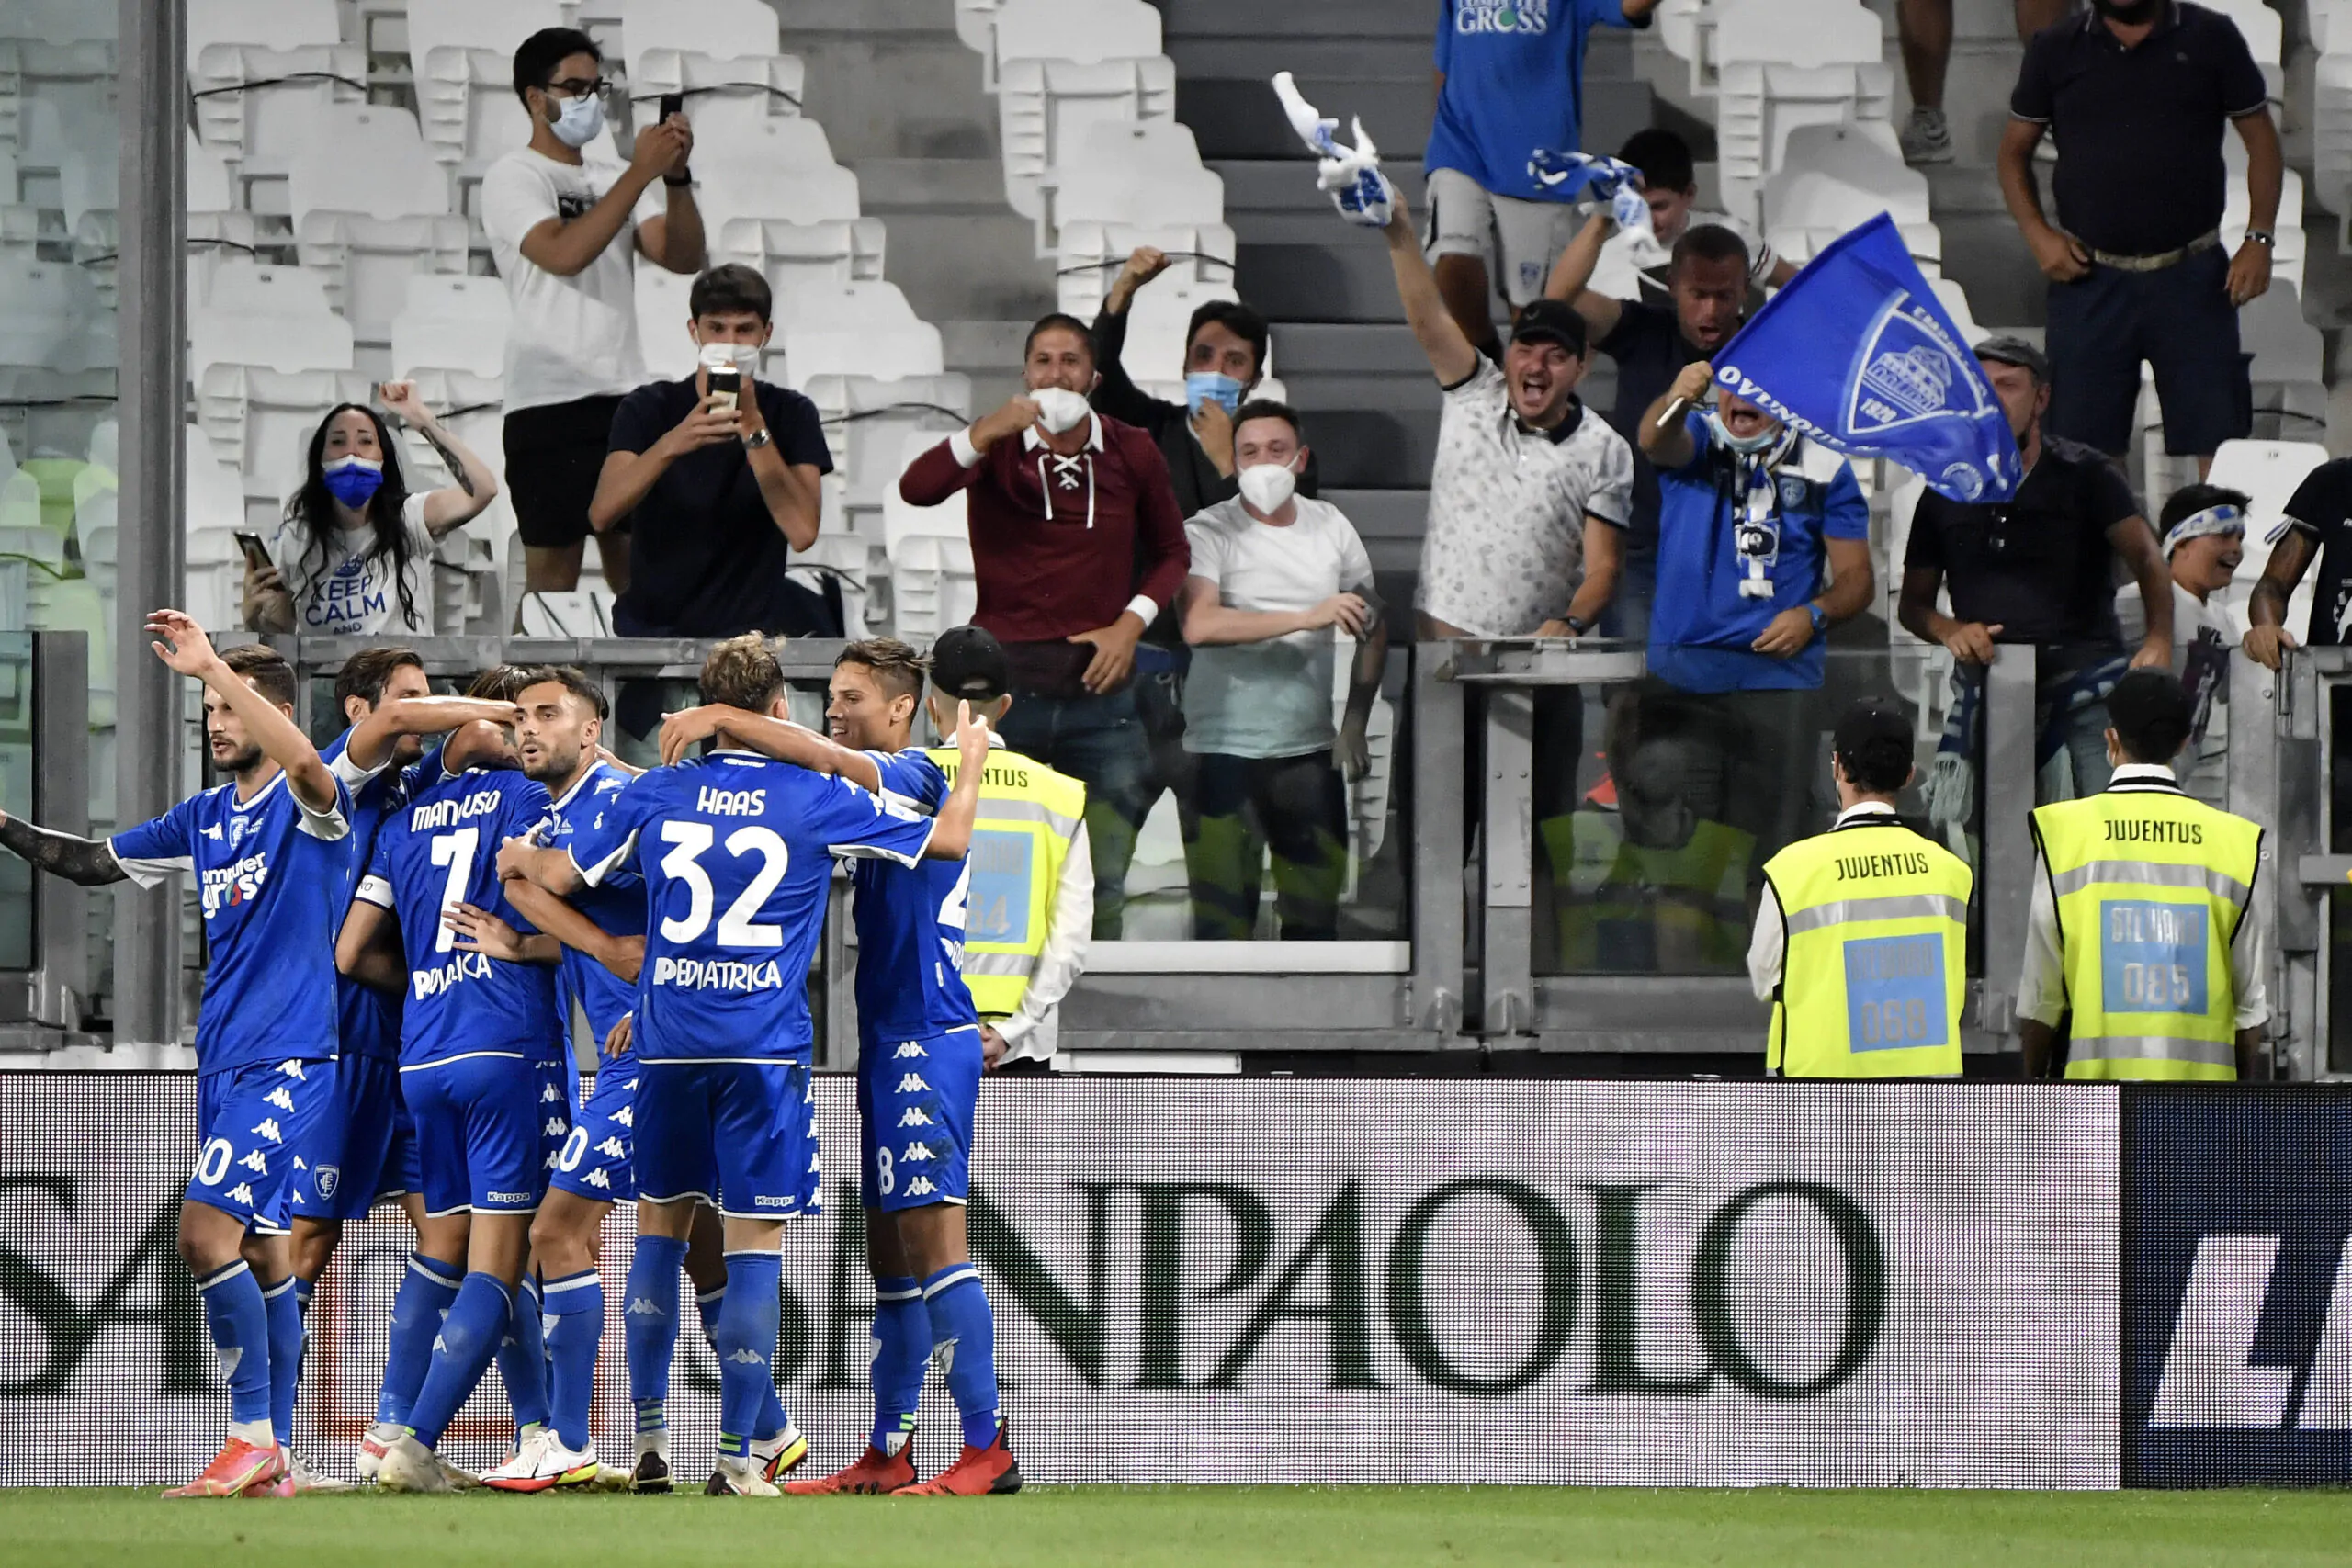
x=772, y=1419
x=650, y=1322
x=462, y=1352
x=575, y=1305
x=965, y=1332
x=746, y=1344
x=285, y=1309
x=239, y=1319
x=427, y=1291
x=901, y=1352
x=522, y=1359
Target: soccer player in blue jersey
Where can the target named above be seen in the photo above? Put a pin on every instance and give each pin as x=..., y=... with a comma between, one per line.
x=475, y=1034
x=918, y=1080
x=361, y=1148
x=736, y=851
x=270, y=851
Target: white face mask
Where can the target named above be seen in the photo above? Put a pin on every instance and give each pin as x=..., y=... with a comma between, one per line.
x=579, y=121
x=1267, y=486
x=1059, y=409
x=1755, y=443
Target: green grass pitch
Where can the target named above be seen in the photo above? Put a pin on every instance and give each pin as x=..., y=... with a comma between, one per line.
x=1366, y=1527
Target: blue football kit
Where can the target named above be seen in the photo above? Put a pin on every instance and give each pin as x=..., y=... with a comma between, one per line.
x=477, y=1033
x=918, y=1037
x=737, y=854
x=596, y=1160
x=270, y=876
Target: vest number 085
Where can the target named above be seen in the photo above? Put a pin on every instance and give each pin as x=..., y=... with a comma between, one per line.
x=682, y=865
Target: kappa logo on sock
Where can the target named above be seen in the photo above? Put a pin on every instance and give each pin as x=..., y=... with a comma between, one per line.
x=943, y=1353
x=439, y=1348
x=745, y=1355
x=229, y=1356
x=642, y=1306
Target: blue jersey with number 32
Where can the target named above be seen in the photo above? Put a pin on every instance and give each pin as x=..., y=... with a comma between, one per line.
x=438, y=849
x=737, y=855
x=910, y=923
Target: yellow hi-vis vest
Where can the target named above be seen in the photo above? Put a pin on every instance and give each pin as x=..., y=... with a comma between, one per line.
x=1876, y=964
x=1028, y=816
x=2149, y=888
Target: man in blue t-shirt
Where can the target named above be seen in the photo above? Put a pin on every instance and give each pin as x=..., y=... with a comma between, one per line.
x=475, y=1031
x=1763, y=546
x=1509, y=82
x=736, y=851
x=271, y=853
x=919, y=1062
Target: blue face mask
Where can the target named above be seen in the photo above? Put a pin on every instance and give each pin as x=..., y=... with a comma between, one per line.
x=1211, y=386
x=353, y=481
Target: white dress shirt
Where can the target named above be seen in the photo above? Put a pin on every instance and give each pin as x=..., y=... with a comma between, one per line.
x=1767, y=946
x=2041, y=988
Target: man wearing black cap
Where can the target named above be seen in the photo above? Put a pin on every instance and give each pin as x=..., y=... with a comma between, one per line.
x=1862, y=937
x=2038, y=569
x=1030, y=909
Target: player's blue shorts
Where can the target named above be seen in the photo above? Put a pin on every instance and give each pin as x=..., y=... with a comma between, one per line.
x=558, y=1099
x=356, y=1151
x=478, y=1138
x=915, y=1100
x=738, y=1135
x=595, y=1162
x=251, y=1124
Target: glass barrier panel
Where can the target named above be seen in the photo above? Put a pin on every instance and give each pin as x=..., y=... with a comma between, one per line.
x=16, y=794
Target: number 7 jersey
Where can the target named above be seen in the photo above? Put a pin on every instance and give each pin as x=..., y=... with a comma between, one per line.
x=737, y=855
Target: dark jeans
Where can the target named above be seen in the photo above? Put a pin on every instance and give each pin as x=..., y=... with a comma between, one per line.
x=1295, y=806
x=1100, y=742
x=2180, y=321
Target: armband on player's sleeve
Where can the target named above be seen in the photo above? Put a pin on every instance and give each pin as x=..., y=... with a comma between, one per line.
x=374, y=890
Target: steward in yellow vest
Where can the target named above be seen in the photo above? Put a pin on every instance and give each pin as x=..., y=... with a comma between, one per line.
x=2145, y=925
x=1029, y=914
x=1861, y=939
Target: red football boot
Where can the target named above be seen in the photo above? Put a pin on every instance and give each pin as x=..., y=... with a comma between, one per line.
x=239, y=1468
x=976, y=1473
x=873, y=1472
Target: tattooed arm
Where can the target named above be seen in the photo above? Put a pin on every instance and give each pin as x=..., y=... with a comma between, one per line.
x=89, y=862
x=473, y=486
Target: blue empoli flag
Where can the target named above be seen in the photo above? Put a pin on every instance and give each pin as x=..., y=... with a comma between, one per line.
x=1857, y=353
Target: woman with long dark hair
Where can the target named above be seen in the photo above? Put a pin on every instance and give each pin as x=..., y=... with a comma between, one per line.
x=353, y=555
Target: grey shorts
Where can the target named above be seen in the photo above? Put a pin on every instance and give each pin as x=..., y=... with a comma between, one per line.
x=1518, y=240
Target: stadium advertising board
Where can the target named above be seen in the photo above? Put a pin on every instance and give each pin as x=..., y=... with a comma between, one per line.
x=1238, y=1281
x=2238, y=1286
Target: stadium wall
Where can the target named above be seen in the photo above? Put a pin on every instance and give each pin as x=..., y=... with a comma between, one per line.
x=1327, y=1280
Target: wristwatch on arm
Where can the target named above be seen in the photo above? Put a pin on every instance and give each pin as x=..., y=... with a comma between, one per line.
x=757, y=439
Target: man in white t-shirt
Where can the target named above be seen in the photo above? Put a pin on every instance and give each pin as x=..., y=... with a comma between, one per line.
x=2204, y=538
x=1272, y=573
x=562, y=226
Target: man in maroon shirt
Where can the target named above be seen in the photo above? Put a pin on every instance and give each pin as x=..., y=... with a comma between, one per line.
x=1077, y=544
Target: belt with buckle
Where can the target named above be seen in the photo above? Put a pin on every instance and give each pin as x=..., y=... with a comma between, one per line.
x=2162, y=259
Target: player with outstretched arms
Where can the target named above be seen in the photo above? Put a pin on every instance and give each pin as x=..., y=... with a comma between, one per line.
x=477, y=1034
x=270, y=851
x=919, y=1057
x=736, y=851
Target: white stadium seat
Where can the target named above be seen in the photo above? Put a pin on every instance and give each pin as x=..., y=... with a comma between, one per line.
x=260, y=421
x=1785, y=64
x=976, y=25
x=791, y=253
x=783, y=169
x=1128, y=185
x=462, y=56
x=2286, y=255
x=854, y=329
x=869, y=424
x=931, y=585
x=371, y=209
x=1156, y=324
x=661, y=317
x=452, y=323
x=47, y=311
x=2269, y=471
x=272, y=316
x=724, y=55
x=1835, y=177
x=1064, y=67
x=230, y=42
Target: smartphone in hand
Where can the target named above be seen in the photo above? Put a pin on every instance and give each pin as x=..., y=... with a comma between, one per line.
x=671, y=102
x=257, y=554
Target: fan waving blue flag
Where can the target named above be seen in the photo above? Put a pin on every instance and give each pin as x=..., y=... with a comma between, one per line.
x=1857, y=353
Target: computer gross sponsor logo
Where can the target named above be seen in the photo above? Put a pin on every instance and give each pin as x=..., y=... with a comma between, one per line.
x=2237, y=1311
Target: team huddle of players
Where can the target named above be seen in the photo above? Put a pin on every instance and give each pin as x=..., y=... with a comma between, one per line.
x=397, y=940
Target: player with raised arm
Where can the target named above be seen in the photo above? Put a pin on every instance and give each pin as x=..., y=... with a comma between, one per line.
x=270, y=851
x=362, y=1148
x=919, y=1056
x=736, y=851
x=476, y=1035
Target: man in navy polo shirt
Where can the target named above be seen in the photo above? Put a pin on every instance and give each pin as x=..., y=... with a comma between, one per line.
x=2135, y=94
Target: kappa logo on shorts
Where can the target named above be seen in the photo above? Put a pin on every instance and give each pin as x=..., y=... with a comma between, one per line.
x=241, y=1194
x=613, y=1148
x=627, y=1117
x=548, y=1094
x=598, y=1179
x=556, y=1127
x=914, y=1116
x=912, y=1083
x=255, y=1163
x=268, y=1129
x=910, y=1049
x=292, y=1070
x=916, y=1153
x=330, y=1177
x=280, y=1098
x=920, y=1187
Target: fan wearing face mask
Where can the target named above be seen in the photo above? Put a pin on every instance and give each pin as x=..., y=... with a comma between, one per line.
x=1274, y=576
x=1077, y=547
x=1763, y=546
x=565, y=222
x=353, y=555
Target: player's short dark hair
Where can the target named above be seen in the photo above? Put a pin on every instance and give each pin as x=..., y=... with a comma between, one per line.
x=1266, y=407
x=1236, y=318
x=897, y=667
x=1709, y=243
x=1062, y=321
x=2150, y=712
x=499, y=684
x=265, y=669
x=727, y=289
x=537, y=56
x=570, y=679
x=366, y=672
x=742, y=672
x=1663, y=157
x=2190, y=499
